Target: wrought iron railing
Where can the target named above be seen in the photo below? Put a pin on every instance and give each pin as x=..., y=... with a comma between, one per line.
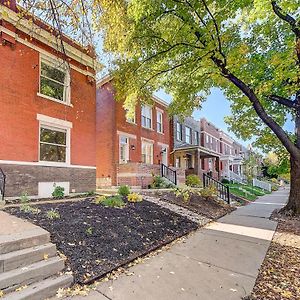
x=168, y=173
x=222, y=189
x=2, y=184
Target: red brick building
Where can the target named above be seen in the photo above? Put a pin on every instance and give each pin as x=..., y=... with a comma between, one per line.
x=47, y=115
x=129, y=150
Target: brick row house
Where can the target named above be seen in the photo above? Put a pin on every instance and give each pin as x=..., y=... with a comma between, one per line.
x=130, y=150
x=47, y=114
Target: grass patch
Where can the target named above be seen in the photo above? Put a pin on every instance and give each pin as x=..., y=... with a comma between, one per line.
x=248, y=192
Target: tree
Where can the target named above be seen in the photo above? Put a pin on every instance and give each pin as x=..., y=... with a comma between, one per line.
x=277, y=165
x=249, y=49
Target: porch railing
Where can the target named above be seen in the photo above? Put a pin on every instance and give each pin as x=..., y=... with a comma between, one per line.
x=169, y=174
x=223, y=190
x=2, y=184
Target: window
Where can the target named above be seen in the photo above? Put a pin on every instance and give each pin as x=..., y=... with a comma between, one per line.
x=196, y=137
x=124, y=150
x=53, y=144
x=130, y=119
x=178, y=131
x=54, y=80
x=147, y=153
x=177, y=162
x=159, y=118
x=207, y=138
x=147, y=116
x=188, y=135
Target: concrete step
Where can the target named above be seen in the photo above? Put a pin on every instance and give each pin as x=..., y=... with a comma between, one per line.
x=25, y=257
x=11, y=280
x=22, y=240
x=41, y=290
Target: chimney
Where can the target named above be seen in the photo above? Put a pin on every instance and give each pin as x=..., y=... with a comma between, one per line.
x=12, y=4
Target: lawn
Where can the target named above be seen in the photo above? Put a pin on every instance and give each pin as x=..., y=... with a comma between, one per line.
x=98, y=239
x=247, y=191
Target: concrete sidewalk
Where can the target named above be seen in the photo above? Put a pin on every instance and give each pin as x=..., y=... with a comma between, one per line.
x=220, y=261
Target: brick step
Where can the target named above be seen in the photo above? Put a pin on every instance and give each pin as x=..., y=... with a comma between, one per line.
x=25, y=257
x=22, y=240
x=11, y=280
x=42, y=290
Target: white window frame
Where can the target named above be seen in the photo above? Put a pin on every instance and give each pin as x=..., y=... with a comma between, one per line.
x=60, y=65
x=58, y=125
x=188, y=140
x=207, y=138
x=196, y=138
x=147, y=117
x=159, y=121
x=127, y=149
x=179, y=132
x=150, y=144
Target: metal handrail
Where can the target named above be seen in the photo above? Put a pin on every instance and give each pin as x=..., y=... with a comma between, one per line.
x=2, y=183
x=169, y=173
x=223, y=190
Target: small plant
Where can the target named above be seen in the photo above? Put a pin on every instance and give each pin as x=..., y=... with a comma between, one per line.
x=114, y=201
x=24, y=198
x=99, y=199
x=124, y=190
x=185, y=193
x=59, y=192
x=26, y=208
x=160, y=183
x=134, y=197
x=90, y=193
x=89, y=231
x=208, y=192
x=193, y=181
x=53, y=214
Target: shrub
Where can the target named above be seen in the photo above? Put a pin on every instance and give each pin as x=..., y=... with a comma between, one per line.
x=160, y=183
x=185, y=193
x=193, y=181
x=99, y=199
x=59, y=192
x=52, y=214
x=274, y=188
x=26, y=208
x=134, y=197
x=24, y=198
x=124, y=190
x=208, y=192
x=225, y=181
x=114, y=201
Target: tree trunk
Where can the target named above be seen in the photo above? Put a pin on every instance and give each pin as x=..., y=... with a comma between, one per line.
x=293, y=204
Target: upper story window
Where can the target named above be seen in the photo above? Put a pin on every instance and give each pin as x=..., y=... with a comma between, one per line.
x=159, y=117
x=53, y=144
x=54, y=80
x=188, y=135
x=207, y=138
x=130, y=118
x=124, y=150
x=178, y=131
x=196, y=137
x=147, y=116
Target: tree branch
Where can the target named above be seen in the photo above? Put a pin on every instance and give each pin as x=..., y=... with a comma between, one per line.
x=284, y=101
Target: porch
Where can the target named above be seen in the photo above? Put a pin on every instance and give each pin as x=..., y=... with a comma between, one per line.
x=232, y=168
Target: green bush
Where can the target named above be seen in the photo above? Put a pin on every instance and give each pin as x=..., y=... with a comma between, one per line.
x=160, y=183
x=59, y=192
x=134, y=197
x=185, y=193
x=124, y=190
x=193, y=181
x=52, y=214
x=209, y=192
x=114, y=201
x=225, y=181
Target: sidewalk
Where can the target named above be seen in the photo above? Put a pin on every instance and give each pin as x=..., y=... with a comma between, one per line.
x=220, y=261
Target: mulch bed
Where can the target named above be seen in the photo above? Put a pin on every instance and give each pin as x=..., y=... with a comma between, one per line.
x=210, y=208
x=279, y=276
x=97, y=239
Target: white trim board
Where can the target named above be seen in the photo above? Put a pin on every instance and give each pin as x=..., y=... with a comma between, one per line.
x=54, y=121
x=43, y=164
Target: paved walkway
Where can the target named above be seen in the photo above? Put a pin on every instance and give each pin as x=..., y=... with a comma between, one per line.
x=220, y=261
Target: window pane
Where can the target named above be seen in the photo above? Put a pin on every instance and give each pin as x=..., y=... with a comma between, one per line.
x=53, y=136
x=52, y=89
x=52, y=153
x=53, y=73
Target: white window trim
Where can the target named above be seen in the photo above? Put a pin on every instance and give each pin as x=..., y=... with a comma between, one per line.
x=128, y=152
x=181, y=133
x=144, y=141
x=191, y=135
x=151, y=117
x=128, y=135
x=55, y=124
x=159, y=112
x=53, y=62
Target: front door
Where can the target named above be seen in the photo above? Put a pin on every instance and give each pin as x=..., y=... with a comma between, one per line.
x=164, y=157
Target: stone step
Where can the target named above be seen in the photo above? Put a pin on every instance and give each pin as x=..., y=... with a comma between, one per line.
x=25, y=257
x=22, y=240
x=41, y=290
x=11, y=280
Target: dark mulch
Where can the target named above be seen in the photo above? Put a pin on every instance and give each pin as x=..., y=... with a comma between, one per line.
x=279, y=276
x=210, y=208
x=116, y=237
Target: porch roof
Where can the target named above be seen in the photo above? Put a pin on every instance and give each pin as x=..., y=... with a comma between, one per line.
x=204, y=152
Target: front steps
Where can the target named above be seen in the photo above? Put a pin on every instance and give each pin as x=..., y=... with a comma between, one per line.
x=29, y=266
